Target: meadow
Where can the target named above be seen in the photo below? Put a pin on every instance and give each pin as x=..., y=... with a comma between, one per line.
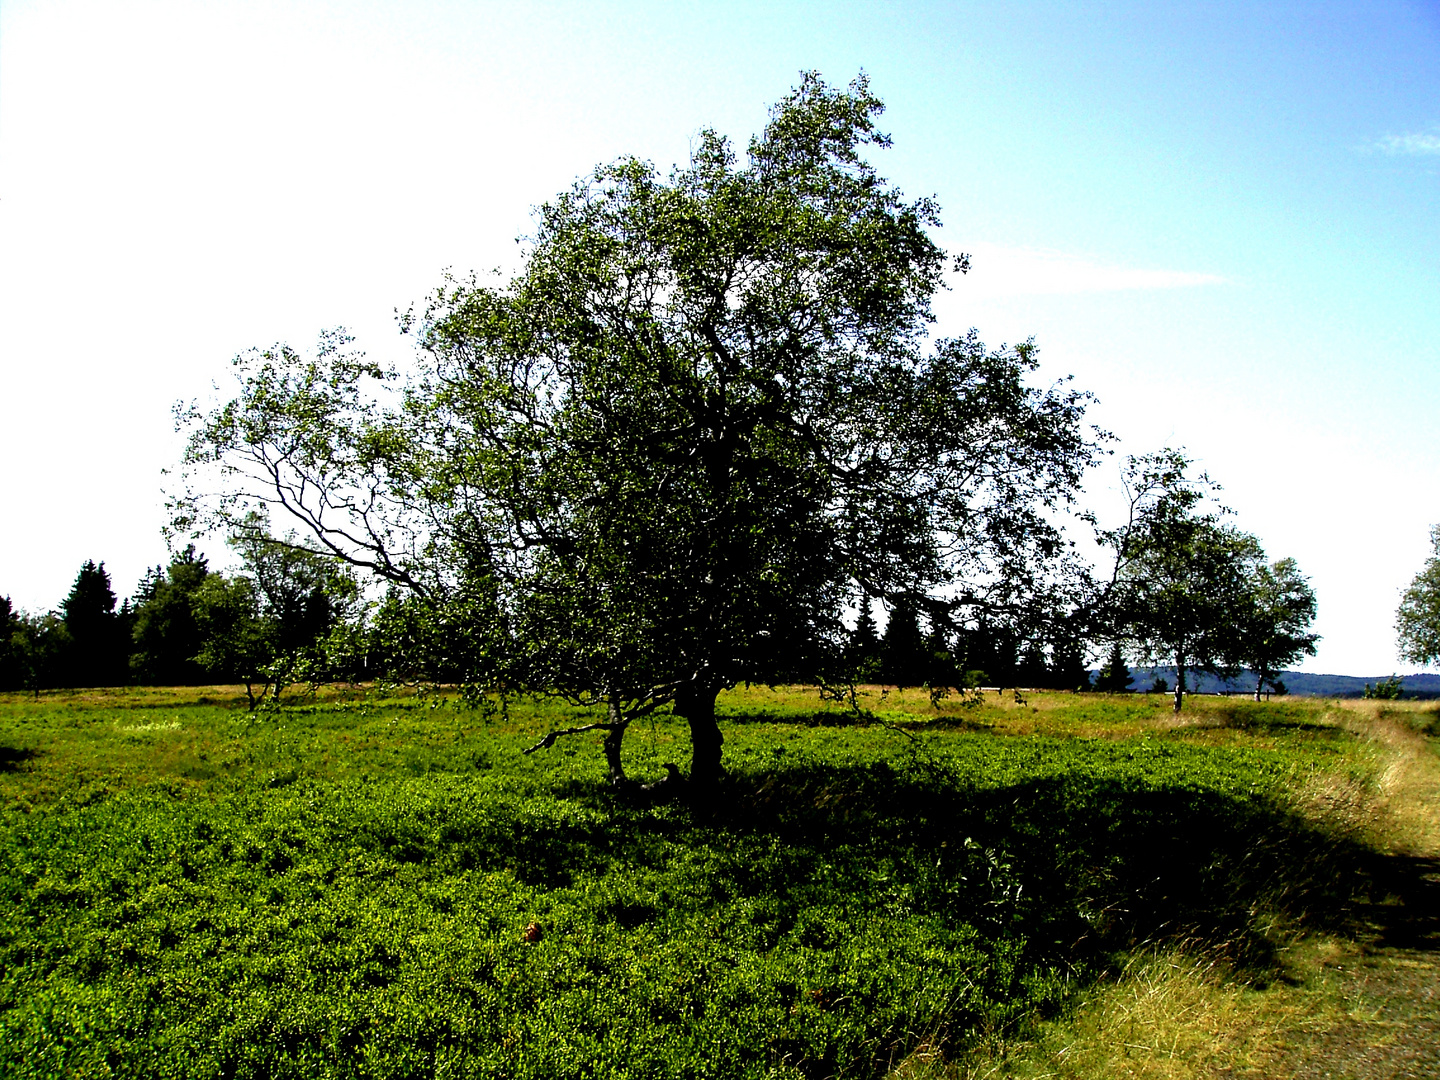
x=366, y=886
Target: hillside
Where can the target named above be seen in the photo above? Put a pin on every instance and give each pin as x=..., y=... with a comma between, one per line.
x=1298, y=683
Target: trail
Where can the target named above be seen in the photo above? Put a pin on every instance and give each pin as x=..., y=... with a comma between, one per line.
x=1392, y=985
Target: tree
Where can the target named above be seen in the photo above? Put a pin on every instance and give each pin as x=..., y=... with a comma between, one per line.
x=1067, y=666
x=702, y=420
x=1181, y=586
x=1275, y=632
x=864, y=649
x=298, y=597
x=1114, y=677
x=904, y=659
x=39, y=648
x=236, y=642
x=165, y=636
x=12, y=672
x=271, y=623
x=1033, y=672
x=97, y=653
x=1417, y=622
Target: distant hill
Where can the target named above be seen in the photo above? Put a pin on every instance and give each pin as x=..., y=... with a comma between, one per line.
x=1300, y=683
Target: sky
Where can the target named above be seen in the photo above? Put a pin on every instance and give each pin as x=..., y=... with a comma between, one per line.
x=1221, y=219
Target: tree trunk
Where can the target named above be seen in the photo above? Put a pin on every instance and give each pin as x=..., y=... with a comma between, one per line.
x=1179, y=681
x=696, y=703
x=1259, y=685
x=613, y=738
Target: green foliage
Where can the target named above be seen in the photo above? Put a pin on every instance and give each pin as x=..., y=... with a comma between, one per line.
x=904, y=659
x=1417, y=621
x=700, y=423
x=863, y=653
x=1114, y=677
x=37, y=651
x=98, y=650
x=1390, y=689
x=1182, y=575
x=1275, y=632
x=351, y=889
x=166, y=637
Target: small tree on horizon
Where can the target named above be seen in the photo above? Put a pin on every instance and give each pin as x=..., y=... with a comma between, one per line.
x=1181, y=584
x=1417, y=620
x=1275, y=632
x=1114, y=677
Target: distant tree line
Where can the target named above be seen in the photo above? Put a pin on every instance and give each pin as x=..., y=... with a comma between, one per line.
x=285, y=616
x=1187, y=588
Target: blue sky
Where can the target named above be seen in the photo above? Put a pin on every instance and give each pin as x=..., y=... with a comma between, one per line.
x=1223, y=219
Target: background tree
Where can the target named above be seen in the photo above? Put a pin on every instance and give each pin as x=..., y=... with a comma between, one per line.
x=1033, y=672
x=40, y=647
x=942, y=670
x=1276, y=630
x=1114, y=677
x=990, y=653
x=1181, y=587
x=237, y=643
x=12, y=675
x=904, y=659
x=1417, y=622
x=299, y=599
x=97, y=653
x=863, y=652
x=1068, y=670
x=701, y=420
x=166, y=637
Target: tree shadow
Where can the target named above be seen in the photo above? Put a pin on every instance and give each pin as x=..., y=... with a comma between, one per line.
x=1079, y=868
x=13, y=757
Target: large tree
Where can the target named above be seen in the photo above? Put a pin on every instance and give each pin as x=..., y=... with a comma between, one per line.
x=665, y=456
x=1417, y=622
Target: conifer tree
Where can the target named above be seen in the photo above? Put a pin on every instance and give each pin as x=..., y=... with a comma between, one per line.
x=1114, y=677
x=96, y=653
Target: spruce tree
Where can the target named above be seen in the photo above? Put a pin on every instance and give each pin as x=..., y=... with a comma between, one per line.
x=902, y=650
x=166, y=637
x=863, y=652
x=1114, y=677
x=96, y=653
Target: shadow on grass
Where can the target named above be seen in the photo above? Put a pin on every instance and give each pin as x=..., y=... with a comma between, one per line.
x=12, y=757
x=1079, y=868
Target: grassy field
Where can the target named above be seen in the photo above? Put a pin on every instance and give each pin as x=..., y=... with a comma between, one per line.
x=1073, y=886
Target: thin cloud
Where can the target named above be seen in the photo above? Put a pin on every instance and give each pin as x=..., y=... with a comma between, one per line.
x=1006, y=271
x=1417, y=143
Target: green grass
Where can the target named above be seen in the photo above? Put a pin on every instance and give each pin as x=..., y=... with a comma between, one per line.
x=344, y=888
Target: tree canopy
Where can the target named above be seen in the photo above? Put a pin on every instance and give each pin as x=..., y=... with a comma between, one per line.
x=1277, y=629
x=1191, y=589
x=703, y=419
x=1182, y=573
x=1417, y=621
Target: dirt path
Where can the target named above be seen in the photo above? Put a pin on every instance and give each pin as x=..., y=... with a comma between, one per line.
x=1391, y=986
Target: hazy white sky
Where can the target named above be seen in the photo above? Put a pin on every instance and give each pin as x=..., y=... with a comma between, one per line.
x=1224, y=219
